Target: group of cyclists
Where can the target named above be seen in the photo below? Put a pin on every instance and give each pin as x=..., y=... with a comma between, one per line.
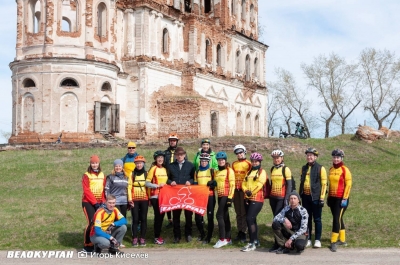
x=241, y=184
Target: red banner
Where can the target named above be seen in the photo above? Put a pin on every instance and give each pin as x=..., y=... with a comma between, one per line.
x=193, y=198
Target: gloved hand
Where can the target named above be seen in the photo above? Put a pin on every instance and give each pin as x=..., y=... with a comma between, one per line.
x=344, y=203
x=114, y=242
x=229, y=202
x=213, y=184
x=321, y=203
x=97, y=206
x=248, y=193
x=110, y=228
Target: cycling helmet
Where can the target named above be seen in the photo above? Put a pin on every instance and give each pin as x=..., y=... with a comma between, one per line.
x=338, y=152
x=312, y=150
x=277, y=152
x=140, y=159
x=205, y=156
x=256, y=156
x=221, y=155
x=239, y=148
x=205, y=141
x=132, y=144
x=173, y=136
x=158, y=153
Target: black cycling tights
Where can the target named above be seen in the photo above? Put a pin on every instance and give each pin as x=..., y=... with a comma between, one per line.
x=139, y=212
x=252, y=210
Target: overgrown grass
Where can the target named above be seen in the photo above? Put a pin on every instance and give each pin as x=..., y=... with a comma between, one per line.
x=41, y=193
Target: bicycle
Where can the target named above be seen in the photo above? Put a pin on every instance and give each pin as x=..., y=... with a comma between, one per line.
x=300, y=131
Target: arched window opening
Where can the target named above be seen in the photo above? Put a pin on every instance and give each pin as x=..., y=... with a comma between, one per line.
x=252, y=19
x=37, y=20
x=208, y=52
x=102, y=20
x=244, y=9
x=66, y=25
x=238, y=62
x=251, y=35
x=247, y=68
x=69, y=16
x=188, y=6
x=256, y=67
x=239, y=124
x=28, y=113
x=248, y=124
x=69, y=82
x=165, y=37
x=257, y=126
x=28, y=83
x=233, y=7
x=207, y=6
x=106, y=87
x=219, y=56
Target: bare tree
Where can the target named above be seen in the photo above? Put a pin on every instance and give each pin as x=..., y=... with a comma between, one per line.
x=331, y=77
x=380, y=75
x=292, y=97
x=5, y=135
x=272, y=109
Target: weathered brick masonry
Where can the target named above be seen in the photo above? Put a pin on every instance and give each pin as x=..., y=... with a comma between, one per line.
x=138, y=69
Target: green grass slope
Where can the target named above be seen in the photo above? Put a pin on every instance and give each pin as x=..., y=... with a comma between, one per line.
x=41, y=192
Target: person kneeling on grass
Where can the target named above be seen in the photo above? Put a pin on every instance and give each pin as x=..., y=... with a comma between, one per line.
x=290, y=226
x=109, y=227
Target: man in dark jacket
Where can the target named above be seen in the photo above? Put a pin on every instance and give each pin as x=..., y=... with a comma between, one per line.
x=290, y=226
x=181, y=172
x=312, y=190
x=169, y=159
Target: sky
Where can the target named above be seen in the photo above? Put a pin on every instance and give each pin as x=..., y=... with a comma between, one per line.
x=296, y=31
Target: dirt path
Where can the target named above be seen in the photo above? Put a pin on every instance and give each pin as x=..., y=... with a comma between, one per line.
x=163, y=256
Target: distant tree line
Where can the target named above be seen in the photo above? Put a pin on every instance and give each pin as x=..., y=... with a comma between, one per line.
x=371, y=83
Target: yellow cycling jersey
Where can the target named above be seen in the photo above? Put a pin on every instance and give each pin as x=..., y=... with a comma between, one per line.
x=96, y=184
x=157, y=175
x=307, y=183
x=254, y=183
x=340, y=182
x=202, y=177
x=225, y=182
x=241, y=168
x=139, y=190
x=278, y=182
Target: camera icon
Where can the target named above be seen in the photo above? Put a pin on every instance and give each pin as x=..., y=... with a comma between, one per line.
x=82, y=255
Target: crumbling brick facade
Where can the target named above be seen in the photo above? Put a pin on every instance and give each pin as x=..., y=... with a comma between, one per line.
x=138, y=69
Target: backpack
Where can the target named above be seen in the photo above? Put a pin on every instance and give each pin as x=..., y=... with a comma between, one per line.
x=141, y=187
x=266, y=188
x=283, y=173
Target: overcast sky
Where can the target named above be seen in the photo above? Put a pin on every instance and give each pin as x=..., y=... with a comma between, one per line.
x=295, y=30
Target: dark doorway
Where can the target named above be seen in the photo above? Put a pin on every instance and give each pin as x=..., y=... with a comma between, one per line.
x=207, y=6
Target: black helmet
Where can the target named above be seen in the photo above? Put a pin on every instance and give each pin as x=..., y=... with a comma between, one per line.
x=312, y=150
x=158, y=153
x=338, y=152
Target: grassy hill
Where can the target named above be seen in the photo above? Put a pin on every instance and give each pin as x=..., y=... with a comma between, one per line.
x=41, y=191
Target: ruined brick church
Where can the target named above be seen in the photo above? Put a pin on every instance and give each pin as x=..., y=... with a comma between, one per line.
x=137, y=69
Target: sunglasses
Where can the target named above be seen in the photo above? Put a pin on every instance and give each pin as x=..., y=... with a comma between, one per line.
x=131, y=147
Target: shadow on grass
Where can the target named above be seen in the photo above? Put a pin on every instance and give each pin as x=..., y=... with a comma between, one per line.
x=384, y=150
x=71, y=240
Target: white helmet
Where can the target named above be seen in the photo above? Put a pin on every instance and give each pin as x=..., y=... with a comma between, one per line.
x=277, y=152
x=239, y=148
